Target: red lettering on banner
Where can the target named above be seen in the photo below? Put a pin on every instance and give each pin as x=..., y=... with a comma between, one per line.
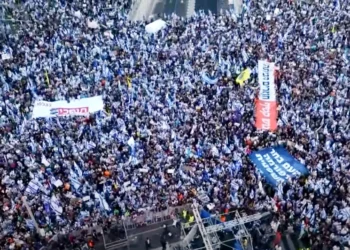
x=266, y=115
x=73, y=111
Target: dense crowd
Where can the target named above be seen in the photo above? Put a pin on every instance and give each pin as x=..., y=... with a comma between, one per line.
x=166, y=134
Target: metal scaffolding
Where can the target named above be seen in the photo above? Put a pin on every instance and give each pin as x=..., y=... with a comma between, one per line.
x=210, y=227
x=202, y=229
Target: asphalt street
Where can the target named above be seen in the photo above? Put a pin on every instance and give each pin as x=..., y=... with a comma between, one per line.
x=179, y=7
x=206, y=5
x=183, y=8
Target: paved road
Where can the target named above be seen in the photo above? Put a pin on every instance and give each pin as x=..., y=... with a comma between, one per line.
x=183, y=8
x=179, y=7
x=211, y=5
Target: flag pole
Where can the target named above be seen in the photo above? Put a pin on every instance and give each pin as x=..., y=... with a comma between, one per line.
x=29, y=210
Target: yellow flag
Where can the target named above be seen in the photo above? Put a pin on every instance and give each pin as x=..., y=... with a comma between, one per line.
x=243, y=76
x=333, y=29
x=47, y=78
x=128, y=82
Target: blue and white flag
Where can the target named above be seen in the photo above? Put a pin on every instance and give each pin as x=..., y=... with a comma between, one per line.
x=56, y=205
x=103, y=203
x=169, y=101
x=75, y=182
x=207, y=79
x=90, y=145
x=33, y=187
x=23, y=125
x=48, y=139
x=58, y=123
x=72, y=174
x=78, y=170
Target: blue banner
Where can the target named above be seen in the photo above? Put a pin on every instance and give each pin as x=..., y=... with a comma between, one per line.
x=277, y=165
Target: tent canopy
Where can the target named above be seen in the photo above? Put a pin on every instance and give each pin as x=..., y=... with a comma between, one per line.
x=155, y=26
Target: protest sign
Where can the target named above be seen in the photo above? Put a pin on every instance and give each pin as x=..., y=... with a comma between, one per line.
x=277, y=165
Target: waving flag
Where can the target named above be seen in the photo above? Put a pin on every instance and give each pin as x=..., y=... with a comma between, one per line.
x=243, y=76
x=103, y=203
x=55, y=205
x=78, y=170
x=207, y=79
x=33, y=187
x=75, y=182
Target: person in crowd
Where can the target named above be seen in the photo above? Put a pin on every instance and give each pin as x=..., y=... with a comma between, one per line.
x=175, y=123
x=148, y=243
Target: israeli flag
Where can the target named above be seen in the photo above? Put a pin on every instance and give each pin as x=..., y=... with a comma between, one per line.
x=103, y=203
x=72, y=174
x=75, y=182
x=55, y=205
x=78, y=170
x=33, y=187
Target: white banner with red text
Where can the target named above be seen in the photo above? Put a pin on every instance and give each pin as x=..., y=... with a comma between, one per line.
x=78, y=107
x=266, y=105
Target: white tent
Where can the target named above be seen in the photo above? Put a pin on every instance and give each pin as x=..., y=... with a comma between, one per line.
x=155, y=26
